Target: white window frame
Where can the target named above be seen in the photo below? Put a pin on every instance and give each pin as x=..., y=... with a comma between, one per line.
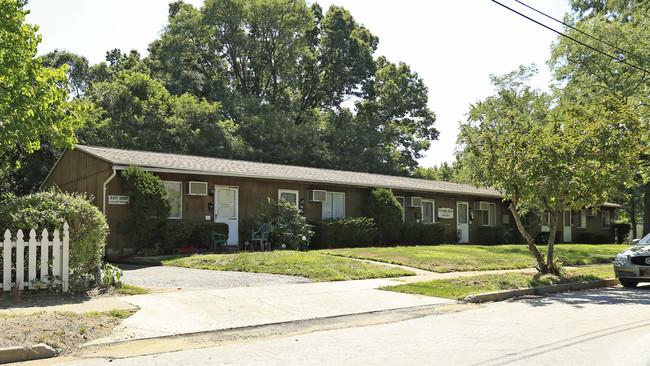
x=545, y=224
x=403, y=204
x=606, y=223
x=180, y=185
x=581, y=218
x=292, y=191
x=331, y=194
x=433, y=211
x=491, y=214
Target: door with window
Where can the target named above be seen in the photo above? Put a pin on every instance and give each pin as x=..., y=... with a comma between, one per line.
x=568, y=223
x=462, y=221
x=226, y=210
x=428, y=208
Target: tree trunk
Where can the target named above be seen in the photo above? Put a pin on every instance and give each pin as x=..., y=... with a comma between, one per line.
x=541, y=266
x=646, y=209
x=550, y=263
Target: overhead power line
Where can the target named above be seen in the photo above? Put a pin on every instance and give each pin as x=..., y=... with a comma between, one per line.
x=573, y=39
x=584, y=33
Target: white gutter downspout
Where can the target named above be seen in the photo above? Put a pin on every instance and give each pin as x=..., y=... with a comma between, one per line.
x=104, y=204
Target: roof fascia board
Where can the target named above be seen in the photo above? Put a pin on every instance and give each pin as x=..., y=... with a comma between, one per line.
x=239, y=175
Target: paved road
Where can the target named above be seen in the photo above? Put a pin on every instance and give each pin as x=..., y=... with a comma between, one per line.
x=189, y=278
x=599, y=327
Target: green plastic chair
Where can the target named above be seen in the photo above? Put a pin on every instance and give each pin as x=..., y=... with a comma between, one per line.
x=261, y=235
x=218, y=240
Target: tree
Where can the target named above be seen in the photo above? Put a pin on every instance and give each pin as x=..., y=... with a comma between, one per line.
x=615, y=65
x=136, y=112
x=33, y=99
x=386, y=212
x=283, y=71
x=549, y=155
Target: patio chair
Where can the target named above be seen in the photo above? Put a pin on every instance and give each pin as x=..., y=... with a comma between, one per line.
x=261, y=235
x=218, y=240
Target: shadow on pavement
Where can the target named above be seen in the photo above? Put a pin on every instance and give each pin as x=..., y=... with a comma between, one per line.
x=605, y=296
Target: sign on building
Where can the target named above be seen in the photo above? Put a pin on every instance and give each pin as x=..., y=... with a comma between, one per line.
x=445, y=213
x=118, y=200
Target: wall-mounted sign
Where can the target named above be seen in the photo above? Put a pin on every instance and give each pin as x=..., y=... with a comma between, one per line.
x=118, y=200
x=445, y=213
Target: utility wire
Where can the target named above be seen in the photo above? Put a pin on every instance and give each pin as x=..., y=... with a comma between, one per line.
x=573, y=39
x=584, y=33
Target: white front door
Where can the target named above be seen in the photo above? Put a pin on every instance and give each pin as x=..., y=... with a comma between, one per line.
x=226, y=210
x=567, y=226
x=462, y=221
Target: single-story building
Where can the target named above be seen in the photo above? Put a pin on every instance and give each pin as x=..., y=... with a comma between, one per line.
x=230, y=191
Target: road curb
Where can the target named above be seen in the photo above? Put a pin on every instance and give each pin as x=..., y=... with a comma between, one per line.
x=21, y=353
x=542, y=290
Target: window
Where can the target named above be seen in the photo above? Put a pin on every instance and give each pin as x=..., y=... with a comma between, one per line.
x=606, y=219
x=175, y=194
x=288, y=195
x=490, y=216
x=582, y=219
x=527, y=220
x=334, y=205
x=544, y=222
x=428, y=208
x=402, y=202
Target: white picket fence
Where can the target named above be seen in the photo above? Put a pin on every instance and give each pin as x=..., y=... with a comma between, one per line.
x=60, y=258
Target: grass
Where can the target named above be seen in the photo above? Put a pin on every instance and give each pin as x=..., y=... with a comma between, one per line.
x=115, y=313
x=127, y=289
x=452, y=258
x=459, y=288
x=315, y=265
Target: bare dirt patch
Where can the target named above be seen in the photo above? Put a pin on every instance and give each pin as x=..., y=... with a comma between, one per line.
x=61, y=330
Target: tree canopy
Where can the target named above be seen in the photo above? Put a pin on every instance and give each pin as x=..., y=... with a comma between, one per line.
x=33, y=99
x=549, y=154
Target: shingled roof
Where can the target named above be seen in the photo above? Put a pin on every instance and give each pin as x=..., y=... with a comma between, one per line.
x=164, y=162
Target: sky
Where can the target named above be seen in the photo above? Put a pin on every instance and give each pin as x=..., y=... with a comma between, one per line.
x=454, y=46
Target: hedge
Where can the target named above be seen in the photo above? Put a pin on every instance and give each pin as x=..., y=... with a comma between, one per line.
x=494, y=235
x=174, y=234
x=348, y=232
x=422, y=234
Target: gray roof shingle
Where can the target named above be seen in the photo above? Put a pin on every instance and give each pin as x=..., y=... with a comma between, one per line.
x=162, y=162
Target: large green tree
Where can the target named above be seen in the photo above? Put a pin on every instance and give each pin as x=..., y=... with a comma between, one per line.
x=302, y=86
x=33, y=99
x=549, y=155
x=611, y=60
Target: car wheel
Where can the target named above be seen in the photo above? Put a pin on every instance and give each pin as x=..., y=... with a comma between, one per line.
x=628, y=283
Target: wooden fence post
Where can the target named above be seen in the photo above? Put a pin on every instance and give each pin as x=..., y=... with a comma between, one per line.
x=6, y=259
x=20, y=260
x=66, y=256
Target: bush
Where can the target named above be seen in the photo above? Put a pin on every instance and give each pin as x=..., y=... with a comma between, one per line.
x=586, y=238
x=149, y=205
x=289, y=229
x=348, y=232
x=387, y=213
x=493, y=235
x=603, y=239
x=174, y=234
x=542, y=237
x=621, y=231
x=422, y=234
x=49, y=210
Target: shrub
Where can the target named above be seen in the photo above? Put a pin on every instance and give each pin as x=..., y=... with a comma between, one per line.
x=621, y=231
x=149, y=205
x=289, y=229
x=49, y=210
x=387, y=213
x=603, y=239
x=586, y=238
x=349, y=232
x=422, y=234
x=175, y=234
x=493, y=235
x=542, y=237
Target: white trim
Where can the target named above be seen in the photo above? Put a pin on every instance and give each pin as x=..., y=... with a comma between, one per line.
x=433, y=210
x=581, y=214
x=291, y=191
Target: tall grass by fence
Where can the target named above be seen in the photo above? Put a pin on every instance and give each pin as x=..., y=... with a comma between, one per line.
x=43, y=255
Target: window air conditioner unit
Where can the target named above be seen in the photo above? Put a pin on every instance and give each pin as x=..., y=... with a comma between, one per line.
x=481, y=205
x=413, y=201
x=592, y=211
x=196, y=188
x=316, y=195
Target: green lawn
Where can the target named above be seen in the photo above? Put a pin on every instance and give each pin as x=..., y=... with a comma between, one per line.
x=459, y=288
x=452, y=258
x=314, y=265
